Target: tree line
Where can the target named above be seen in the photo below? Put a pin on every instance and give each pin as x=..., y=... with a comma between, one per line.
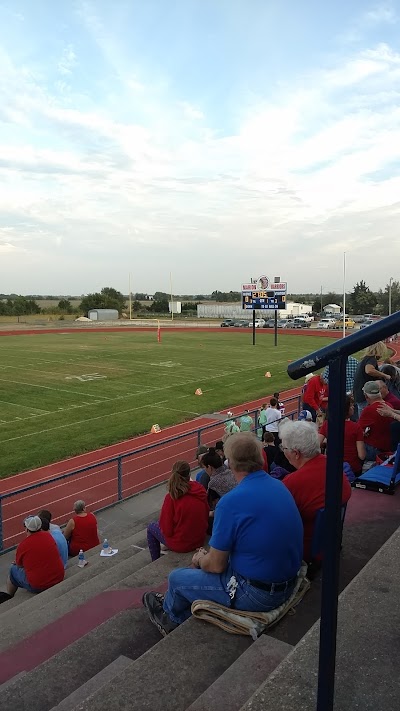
x=360, y=300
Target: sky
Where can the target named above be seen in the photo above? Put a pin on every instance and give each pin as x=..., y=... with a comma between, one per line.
x=210, y=140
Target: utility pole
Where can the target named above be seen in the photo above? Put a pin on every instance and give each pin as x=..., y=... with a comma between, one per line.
x=390, y=295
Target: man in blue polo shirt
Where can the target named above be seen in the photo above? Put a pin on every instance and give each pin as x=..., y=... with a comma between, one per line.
x=255, y=551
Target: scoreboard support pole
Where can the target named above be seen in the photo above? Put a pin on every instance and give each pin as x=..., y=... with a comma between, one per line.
x=254, y=328
x=276, y=327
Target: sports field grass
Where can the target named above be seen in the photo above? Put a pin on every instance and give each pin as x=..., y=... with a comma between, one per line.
x=64, y=394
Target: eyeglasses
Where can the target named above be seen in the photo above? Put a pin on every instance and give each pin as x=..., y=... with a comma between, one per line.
x=289, y=449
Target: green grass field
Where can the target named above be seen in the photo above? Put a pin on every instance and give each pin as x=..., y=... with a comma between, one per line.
x=64, y=394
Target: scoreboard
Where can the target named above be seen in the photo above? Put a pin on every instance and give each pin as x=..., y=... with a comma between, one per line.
x=270, y=297
x=263, y=300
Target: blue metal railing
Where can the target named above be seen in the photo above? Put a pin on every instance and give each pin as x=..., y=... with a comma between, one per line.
x=335, y=355
x=201, y=435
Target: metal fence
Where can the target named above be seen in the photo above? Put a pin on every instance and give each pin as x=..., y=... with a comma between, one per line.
x=109, y=481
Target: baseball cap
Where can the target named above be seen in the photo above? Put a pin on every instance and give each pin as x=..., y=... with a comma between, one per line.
x=371, y=388
x=305, y=415
x=33, y=524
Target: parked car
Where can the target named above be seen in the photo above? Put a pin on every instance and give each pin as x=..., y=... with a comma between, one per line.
x=367, y=322
x=326, y=323
x=300, y=323
x=348, y=323
x=228, y=322
x=285, y=323
x=242, y=323
x=259, y=323
x=270, y=323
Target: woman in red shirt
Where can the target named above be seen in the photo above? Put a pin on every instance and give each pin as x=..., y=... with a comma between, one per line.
x=184, y=515
x=81, y=530
x=354, y=447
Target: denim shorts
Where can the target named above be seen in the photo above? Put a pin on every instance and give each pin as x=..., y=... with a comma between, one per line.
x=19, y=579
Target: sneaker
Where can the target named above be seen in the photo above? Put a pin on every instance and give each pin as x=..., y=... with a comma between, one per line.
x=153, y=602
x=4, y=597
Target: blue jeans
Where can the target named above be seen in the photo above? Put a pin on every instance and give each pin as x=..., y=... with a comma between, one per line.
x=19, y=579
x=185, y=585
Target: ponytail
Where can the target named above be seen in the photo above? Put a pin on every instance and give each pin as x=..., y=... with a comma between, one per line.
x=179, y=481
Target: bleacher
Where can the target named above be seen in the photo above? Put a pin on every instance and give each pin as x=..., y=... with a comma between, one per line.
x=88, y=644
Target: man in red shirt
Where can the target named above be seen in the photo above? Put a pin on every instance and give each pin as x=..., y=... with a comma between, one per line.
x=315, y=396
x=300, y=444
x=388, y=397
x=38, y=564
x=376, y=428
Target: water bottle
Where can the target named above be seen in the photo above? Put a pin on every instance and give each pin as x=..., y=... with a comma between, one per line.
x=106, y=547
x=81, y=559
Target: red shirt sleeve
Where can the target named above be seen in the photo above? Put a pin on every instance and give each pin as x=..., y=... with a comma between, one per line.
x=167, y=517
x=19, y=554
x=265, y=461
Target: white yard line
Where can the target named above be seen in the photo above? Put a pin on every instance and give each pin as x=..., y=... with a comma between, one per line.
x=26, y=407
x=58, y=390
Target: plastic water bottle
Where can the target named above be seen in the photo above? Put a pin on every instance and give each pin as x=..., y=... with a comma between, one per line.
x=106, y=546
x=81, y=559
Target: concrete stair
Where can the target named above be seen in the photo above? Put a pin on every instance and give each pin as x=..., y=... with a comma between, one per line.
x=122, y=663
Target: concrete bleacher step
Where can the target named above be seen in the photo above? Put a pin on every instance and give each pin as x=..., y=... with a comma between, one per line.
x=239, y=682
x=173, y=673
x=94, y=684
x=18, y=627
x=127, y=633
x=27, y=603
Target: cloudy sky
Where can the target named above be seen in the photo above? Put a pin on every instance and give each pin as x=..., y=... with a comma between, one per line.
x=216, y=139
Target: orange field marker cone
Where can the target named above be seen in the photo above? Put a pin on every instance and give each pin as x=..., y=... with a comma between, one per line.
x=155, y=429
x=267, y=374
x=198, y=391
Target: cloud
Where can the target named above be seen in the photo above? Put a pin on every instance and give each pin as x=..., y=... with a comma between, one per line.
x=145, y=174
x=381, y=14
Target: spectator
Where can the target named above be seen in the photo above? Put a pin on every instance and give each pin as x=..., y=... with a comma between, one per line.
x=58, y=536
x=219, y=449
x=221, y=479
x=232, y=427
x=81, y=530
x=368, y=371
x=270, y=449
x=387, y=396
x=255, y=550
x=376, y=429
x=184, y=515
x=394, y=383
x=202, y=449
x=44, y=513
x=315, y=396
x=262, y=418
x=394, y=423
x=305, y=415
x=280, y=404
x=273, y=415
x=354, y=447
x=246, y=422
x=351, y=369
x=38, y=565
x=307, y=485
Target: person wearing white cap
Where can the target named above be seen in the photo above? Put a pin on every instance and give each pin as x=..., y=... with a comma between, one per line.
x=38, y=565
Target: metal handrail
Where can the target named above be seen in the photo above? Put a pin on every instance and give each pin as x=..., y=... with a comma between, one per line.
x=335, y=355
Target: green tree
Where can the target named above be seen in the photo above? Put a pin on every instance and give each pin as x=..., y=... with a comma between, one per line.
x=23, y=306
x=383, y=299
x=65, y=306
x=107, y=298
x=362, y=300
x=160, y=306
x=161, y=296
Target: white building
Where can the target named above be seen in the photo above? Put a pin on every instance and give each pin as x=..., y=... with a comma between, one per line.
x=332, y=309
x=234, y=310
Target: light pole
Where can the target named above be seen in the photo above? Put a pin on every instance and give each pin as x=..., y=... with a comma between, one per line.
x=321, y=302
x=344, y=294
x=390, y=295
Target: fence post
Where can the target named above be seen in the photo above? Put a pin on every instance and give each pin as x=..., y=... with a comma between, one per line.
x=1, y=523
x=256, y=421
x=199, y=437
x=298, y=405
x=120, y=479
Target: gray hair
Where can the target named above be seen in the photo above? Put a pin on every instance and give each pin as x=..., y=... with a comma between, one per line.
x=244, y=452
x=301, y=436
x=79, y=506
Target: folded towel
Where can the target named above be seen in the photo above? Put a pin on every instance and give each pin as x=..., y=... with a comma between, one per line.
x=250, y=623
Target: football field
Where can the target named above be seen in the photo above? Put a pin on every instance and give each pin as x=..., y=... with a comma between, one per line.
x=66, y=393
